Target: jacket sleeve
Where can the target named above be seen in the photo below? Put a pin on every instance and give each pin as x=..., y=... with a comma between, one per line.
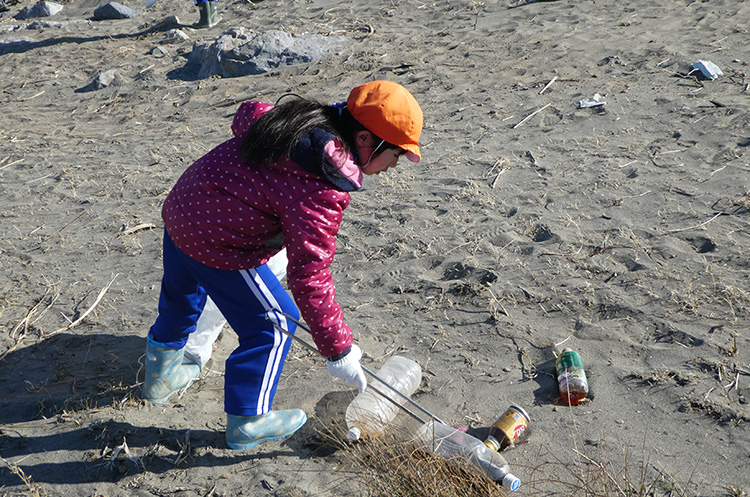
x=310, y=227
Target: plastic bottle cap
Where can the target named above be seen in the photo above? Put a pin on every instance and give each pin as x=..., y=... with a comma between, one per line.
x=511, y=482
x=354, y=434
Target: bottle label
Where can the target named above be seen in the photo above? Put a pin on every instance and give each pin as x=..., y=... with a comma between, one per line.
x=571, y=377
x=507, y=430
x=568, y=362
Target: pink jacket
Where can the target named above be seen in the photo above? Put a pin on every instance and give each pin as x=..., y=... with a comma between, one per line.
x=230, y=215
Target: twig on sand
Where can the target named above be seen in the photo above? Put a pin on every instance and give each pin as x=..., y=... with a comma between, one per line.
x=184, y=449
x=88, y=311
x=603, y=468
x=33, y=489
x=26, y=321
x=560, y=343
x=64, y=227
x=137, y=228
x=503, y=167
x=497, y=177
x=121, y=452
x=705, y=397
x=697, y=225
x=548, y=85
x=11, y=163
x=531, y=115
x=735, y=384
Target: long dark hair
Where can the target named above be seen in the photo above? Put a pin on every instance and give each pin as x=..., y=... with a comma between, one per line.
x=276, y=133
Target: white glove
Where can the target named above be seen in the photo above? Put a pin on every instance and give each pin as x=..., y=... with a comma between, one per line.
x=348, y=369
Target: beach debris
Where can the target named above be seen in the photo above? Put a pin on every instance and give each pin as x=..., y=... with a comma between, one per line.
x=548, y=85
x=525, y=119
x=371, y=411
x=113, y=10
x=120, y=457
x=571, y=377
x=242, y=52
x=150, y=3
x=88, y=311
x=39, y=9
x=595, y=101
x=450, y=443
x=707, y=69
x=138, y=227
x=184, y=450
x=506, y=431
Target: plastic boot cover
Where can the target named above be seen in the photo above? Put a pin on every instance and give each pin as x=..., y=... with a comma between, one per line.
x=244, y=432
x=165, y=373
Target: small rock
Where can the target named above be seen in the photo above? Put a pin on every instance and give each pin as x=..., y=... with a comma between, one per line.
x=176, y=35
x=166, y=23
x=114, y=10
x=39, y=9
x=104, y=79
x=159, y=51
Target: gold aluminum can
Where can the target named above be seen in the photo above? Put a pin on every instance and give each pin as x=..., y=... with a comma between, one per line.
x=508, y=429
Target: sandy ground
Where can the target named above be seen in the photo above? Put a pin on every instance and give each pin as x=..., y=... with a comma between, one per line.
x=620, y=231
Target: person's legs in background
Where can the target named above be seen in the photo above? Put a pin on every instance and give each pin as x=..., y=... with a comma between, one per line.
x=209, y=17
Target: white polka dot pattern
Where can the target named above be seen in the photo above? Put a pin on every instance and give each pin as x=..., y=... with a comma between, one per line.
x=222, y=211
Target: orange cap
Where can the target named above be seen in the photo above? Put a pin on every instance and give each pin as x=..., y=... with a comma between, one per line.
x=391, y=112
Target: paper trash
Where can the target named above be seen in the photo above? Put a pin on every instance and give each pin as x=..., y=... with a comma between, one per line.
x=596, y=101
x=708, y=69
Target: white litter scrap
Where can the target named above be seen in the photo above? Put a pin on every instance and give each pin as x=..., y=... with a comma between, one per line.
x=708, y=69
x=121, y=454
x=596, y=101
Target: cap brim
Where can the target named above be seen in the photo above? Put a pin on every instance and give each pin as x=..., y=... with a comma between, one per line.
x=412, y=156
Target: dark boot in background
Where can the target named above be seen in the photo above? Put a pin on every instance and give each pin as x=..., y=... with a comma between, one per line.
x=208, y=15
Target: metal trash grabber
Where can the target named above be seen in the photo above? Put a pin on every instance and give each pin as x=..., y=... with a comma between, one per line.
x=364, y=368
x=313, y=349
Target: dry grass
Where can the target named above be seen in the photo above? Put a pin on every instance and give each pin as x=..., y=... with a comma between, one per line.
x=599, y=475
x=387, y=466
x=32, y=489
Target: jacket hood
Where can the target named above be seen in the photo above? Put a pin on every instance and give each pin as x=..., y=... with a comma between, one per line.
x=318, y=152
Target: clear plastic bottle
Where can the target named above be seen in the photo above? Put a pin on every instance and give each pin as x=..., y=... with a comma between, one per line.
x=571, y=377
x=369, y=413
x=449, y=442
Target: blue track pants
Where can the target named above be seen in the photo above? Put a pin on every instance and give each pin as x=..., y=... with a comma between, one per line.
x=246, y=298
